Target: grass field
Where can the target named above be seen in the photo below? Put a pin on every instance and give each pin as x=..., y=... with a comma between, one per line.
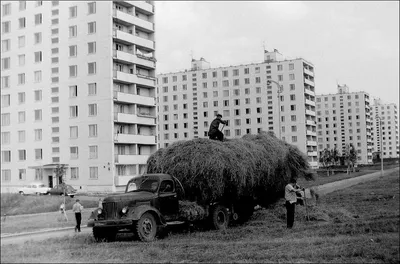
x=354, y=225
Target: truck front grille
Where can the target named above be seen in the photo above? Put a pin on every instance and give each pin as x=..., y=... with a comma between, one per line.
x=110, y=210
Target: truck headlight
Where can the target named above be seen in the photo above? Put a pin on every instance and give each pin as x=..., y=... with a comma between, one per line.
x=125, y=209
x=99, y=211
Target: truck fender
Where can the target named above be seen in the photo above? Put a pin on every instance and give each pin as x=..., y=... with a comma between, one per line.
x=140, y=210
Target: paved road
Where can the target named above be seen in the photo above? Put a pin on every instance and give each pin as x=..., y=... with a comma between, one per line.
x=42, y=235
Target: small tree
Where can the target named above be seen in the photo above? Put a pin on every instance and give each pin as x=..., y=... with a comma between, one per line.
x=350, y=157
x=326, y=159
x=60, y=172
x=335, y=156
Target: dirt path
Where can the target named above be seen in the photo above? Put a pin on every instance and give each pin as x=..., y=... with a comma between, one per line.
x=69, y=231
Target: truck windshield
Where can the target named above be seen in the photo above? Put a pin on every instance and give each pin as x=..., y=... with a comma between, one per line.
x=142, y=184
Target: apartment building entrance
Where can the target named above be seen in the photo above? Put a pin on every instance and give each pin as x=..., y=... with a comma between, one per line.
x=50, y=181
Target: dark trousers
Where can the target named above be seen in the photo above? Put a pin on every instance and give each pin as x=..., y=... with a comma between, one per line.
x=290, y=207
x=218, y=135
x=78, y=217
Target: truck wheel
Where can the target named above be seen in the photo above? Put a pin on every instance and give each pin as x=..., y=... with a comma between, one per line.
x=98, y=234
x=146, y=227
x=220, y=217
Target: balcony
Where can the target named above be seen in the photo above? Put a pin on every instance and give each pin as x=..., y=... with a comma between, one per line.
x=129, y=39
x=131, y=19
x=307, y=71
x=311, y=133
x=309, y=112
x=311, y=123
x=308, y=82
x=309, y=102
x=129, y=58
x=135, y=139
x=134, y=119
x=143, y=5
x=123, y=180
x=134, y=99
x=133, y=78
x=131, y=159
x=311, y=143
x=309, y=92
x=311, y=153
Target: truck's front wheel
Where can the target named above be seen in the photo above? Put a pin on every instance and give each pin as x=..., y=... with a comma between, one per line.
x=220, y=217
x=146, y=227
x=103, y=234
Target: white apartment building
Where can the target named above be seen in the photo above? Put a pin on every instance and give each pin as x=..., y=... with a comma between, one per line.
x=77, y=88
x=389, y=140
x=189, y=100
x=345, y=118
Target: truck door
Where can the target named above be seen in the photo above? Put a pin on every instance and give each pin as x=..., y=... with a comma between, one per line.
x=168, y=199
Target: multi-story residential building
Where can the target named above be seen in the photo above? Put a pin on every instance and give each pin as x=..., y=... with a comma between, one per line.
x=344, y=118
x=246, y=96
x=77, y=88
x=389, y=140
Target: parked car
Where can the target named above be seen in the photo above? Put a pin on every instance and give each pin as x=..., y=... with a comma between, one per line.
x=59, y=190
x=36, y=188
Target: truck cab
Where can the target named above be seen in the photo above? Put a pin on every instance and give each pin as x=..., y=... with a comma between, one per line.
x=149, y=203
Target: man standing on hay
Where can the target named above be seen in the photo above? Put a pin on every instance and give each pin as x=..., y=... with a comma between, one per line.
x=291, y=191
x=213, y=132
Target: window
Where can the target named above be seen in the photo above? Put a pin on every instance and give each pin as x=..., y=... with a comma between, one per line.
x=38, y=19
x=5, y=63
x=21, y=174
x=38, y=76
x=73, y=51
x=5, y=175
x=292, y=86
x=91, y=27
x=73, y=153
x=258, y=80
x=92, y=109
x=5, y=100
x=21, y=41
x=5, y=82
x=73, y=132
x=292, y=97
x=92, y=47
x=72, y=11
x=73, y=91
x=94, y=173
x=93, y=130
x=291, y=76
x=22, y=5
x=280, y=78
x=54, y=12
x=73, y=31
x=92, y=89
x=38, y=56
x=38, y=95
x=74, y=173
x=92, y=152
x=5, y=119
x=38, y=154
x=54, y=70
x=294, y=138
x=73, y=70
x=21, y=154
x=21, y=136
x=21, y=60
x=280, y=67
x=38, y=115
x=92, y=68
x=54, y=31
x=6, y=27
x=22, y=22
x=91, y=8
x=291, y=66
x=5, y=138
x=73, y=111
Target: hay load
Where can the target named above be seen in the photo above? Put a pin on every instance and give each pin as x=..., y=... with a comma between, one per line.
x=255, y=165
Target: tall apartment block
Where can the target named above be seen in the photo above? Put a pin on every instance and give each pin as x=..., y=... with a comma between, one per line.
x=77, y=88
x=345, y=118
x=389, y=140
x=189, y=100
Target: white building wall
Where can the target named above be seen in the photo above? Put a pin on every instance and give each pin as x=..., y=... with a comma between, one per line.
x=187, y=107
x=56, y=99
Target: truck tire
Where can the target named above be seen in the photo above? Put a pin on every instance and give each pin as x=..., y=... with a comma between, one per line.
x=220, y=217
x=146, y=227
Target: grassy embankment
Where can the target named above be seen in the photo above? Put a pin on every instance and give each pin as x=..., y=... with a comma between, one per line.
x=354, y=225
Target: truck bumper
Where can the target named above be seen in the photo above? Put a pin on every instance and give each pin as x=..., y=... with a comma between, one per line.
x=110, y=223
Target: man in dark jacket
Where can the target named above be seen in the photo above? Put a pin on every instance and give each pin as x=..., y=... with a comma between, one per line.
x=214, y=132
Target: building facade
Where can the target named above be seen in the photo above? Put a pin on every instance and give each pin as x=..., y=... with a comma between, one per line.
x=246, y=96
x=77, y=88
x=345, y=118
x=389, y=139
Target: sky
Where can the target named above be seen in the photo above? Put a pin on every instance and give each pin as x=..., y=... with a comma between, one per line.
x=354, y=43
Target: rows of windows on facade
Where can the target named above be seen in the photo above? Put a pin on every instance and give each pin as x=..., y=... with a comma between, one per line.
x=226, y=103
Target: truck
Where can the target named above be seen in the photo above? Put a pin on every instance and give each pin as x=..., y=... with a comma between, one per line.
x=152, y=202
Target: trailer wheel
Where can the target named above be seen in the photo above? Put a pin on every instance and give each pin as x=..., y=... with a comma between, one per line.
x=220, y=217
x=146, y=228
